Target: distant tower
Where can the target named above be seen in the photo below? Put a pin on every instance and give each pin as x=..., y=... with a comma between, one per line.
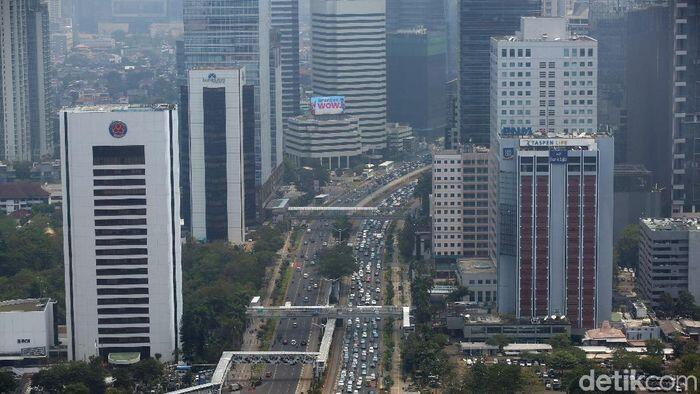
x=349, y=59
x=480, y=20
x=26, y=132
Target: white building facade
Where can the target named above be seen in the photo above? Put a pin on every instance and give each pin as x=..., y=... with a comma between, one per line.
x=349, y=59
x=26, y=327
x=543, y=79
x=121, y=226
x=217, y=154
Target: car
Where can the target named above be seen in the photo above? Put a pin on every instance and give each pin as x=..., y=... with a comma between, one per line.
x=306, y=275
x=284, y=342
x=294, y=324
x=293, y=342
x=303, y=343
x=306, y=299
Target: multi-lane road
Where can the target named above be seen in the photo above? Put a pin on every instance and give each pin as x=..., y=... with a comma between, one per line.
x=307, y=288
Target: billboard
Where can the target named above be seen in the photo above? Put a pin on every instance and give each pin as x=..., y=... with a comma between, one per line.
x=331, y=105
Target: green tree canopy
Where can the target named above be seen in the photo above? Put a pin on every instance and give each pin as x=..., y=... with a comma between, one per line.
x=499, y=340
x=626, y=253
x=336, y=262
x=8, y=383
x=68, y=377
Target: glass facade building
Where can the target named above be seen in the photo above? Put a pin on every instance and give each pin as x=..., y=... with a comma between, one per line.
x=481, y=20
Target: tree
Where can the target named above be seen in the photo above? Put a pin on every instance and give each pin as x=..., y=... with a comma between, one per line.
x=423, y=190
x=458, y=294
x=77, y=376
x=499, y=340
x=622, y=359
x=682, y=346
x=497, y=378
x=667, y=305
x=560, y=341
x=566, y=359
x=626, y=253
x=341, y=228
x=8, y=383
x=22, y=170
x=651, y=365
x=685, y=305
x=407, y=238
x=148, y=372
x=336, y=262
x=654, y=347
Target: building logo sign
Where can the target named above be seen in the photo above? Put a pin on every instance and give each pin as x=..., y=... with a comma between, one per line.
x=331, y=105
x=117, y=129
x=508, y=153
x=544, y=142
x=558, y=156
x=212, y=78
x=514, y=131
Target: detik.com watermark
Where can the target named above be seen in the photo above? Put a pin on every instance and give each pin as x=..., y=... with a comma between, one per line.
x=629, y=380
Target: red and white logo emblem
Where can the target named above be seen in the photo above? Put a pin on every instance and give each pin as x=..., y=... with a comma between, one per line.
x=117, y=129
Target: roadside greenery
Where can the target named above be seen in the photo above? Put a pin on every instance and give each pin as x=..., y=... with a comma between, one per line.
x=219, y=281
x=336, y=262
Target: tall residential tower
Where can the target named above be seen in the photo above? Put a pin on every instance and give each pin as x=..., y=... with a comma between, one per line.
x=26, y=131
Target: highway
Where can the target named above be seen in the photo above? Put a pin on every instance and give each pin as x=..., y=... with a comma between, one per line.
x=302, y=334
x=296, y=334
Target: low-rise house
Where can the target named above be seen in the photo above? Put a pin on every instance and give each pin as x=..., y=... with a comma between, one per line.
x=606, y=335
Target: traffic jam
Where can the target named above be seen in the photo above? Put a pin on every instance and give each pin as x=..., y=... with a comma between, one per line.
x=361, y=354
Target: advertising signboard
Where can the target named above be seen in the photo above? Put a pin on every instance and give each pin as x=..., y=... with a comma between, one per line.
x=331, y=105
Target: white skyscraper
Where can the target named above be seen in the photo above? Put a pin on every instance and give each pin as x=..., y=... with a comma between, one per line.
x=121, y=226
x=349, y=59
x=543, y=79
x=217, y=153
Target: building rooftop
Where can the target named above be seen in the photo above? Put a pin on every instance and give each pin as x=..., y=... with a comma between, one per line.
x=24, y=305
x=605, y=333
x=121, y=108
x=476, y=266
x=672, y=224
x=22, y=190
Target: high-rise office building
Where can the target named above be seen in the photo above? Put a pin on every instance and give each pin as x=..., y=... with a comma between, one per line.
x=408, y=14
x=669, y=258
x=552, y=199
x=416, y=85
x=121, y=231
x=481, y=20
x=26, y=131
x=459, y=203
x=238, y=33
x=217, y=153
x=646, y=135
x=685, y=104
x=544, y=79
x=349, y=59
x=285, y=19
